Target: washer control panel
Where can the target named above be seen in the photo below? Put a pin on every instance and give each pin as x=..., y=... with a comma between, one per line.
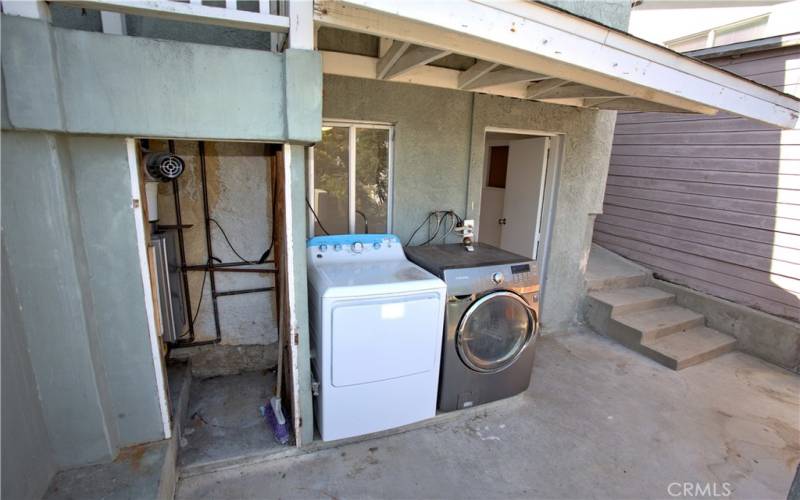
x=522, y=278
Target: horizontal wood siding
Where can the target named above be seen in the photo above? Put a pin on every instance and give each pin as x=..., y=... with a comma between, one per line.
x=712, y=202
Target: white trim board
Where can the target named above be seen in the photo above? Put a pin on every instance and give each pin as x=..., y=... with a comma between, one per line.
x=141, y=244
x=197, y=13
x=540, y=39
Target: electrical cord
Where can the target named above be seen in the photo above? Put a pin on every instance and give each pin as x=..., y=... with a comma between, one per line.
x=224, y=235
x=199, y=303
x=441, y=216
x=316, y=217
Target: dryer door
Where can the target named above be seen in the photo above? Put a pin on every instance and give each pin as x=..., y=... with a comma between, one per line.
x=494, y=331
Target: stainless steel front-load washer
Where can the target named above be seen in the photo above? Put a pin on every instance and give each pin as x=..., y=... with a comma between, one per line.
x=491, y=321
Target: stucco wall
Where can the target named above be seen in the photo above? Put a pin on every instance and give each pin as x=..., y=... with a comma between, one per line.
x=586, y=136
x=439, y=152
x=431, y=141
x=239, y=196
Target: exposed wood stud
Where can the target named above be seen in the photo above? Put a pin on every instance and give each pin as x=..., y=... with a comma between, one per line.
x=389, y=59
x=504, y=76
x=537, y=89
x=413, y=57
x=476, y=71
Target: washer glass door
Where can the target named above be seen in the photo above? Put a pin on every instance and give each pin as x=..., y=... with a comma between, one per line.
x=494, y=331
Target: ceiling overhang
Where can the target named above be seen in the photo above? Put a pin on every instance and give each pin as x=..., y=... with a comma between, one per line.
x=531, y=51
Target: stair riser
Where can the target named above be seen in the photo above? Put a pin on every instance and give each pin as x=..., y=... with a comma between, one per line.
x=617, y=329
x=596, y=314
x=700, y=358
x=656, y=334
x=642, y=305
x=613, y=283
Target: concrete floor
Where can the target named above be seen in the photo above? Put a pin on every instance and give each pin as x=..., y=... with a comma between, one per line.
x=223, y=420
x=599, y=421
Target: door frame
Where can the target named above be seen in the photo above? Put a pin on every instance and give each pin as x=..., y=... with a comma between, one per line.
x=551, y=181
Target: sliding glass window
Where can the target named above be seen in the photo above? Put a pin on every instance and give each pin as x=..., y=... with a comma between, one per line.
x=350, y=179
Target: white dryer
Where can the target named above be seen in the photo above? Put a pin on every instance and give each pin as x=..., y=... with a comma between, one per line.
x=376, y=323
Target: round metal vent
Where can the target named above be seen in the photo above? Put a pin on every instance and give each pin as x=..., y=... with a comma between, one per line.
x=164, y=166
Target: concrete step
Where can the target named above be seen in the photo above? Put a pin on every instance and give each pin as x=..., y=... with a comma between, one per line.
x=652, y=324
x=690, y=347
x=628, y=300
x=606, y=270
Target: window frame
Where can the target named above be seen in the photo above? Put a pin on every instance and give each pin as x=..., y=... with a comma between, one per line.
x=352, y=126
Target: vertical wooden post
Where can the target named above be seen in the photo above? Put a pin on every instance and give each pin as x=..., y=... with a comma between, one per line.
x=294, y=314
x=113, y=23
x=301, y=24
x=35, y=9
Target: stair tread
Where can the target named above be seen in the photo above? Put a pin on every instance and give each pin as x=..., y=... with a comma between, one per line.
x=627, y=296
x=658, y=318
x=693, y=342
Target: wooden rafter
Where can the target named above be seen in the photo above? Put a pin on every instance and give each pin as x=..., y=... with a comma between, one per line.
x=476, y=71
x=502, y=77
x=575, y=91
x=411, y=57
x=389, y=59
x=537, y=89
x=629, y=104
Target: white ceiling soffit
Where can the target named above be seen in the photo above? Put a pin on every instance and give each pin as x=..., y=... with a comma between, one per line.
x=538, y=39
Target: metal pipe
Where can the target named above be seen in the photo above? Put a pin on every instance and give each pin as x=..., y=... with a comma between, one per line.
x=184, y=344
x=209, y=250
x=227, y=270
x=223, y=265
x=176, y=198
x=244, y=291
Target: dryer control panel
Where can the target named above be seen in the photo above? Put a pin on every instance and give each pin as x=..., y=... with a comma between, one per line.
x=354, y=248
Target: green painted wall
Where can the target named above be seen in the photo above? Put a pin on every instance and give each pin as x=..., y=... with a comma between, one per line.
x=27, y=458
x=103, y=197
x=191, y=90
x=47, y=259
